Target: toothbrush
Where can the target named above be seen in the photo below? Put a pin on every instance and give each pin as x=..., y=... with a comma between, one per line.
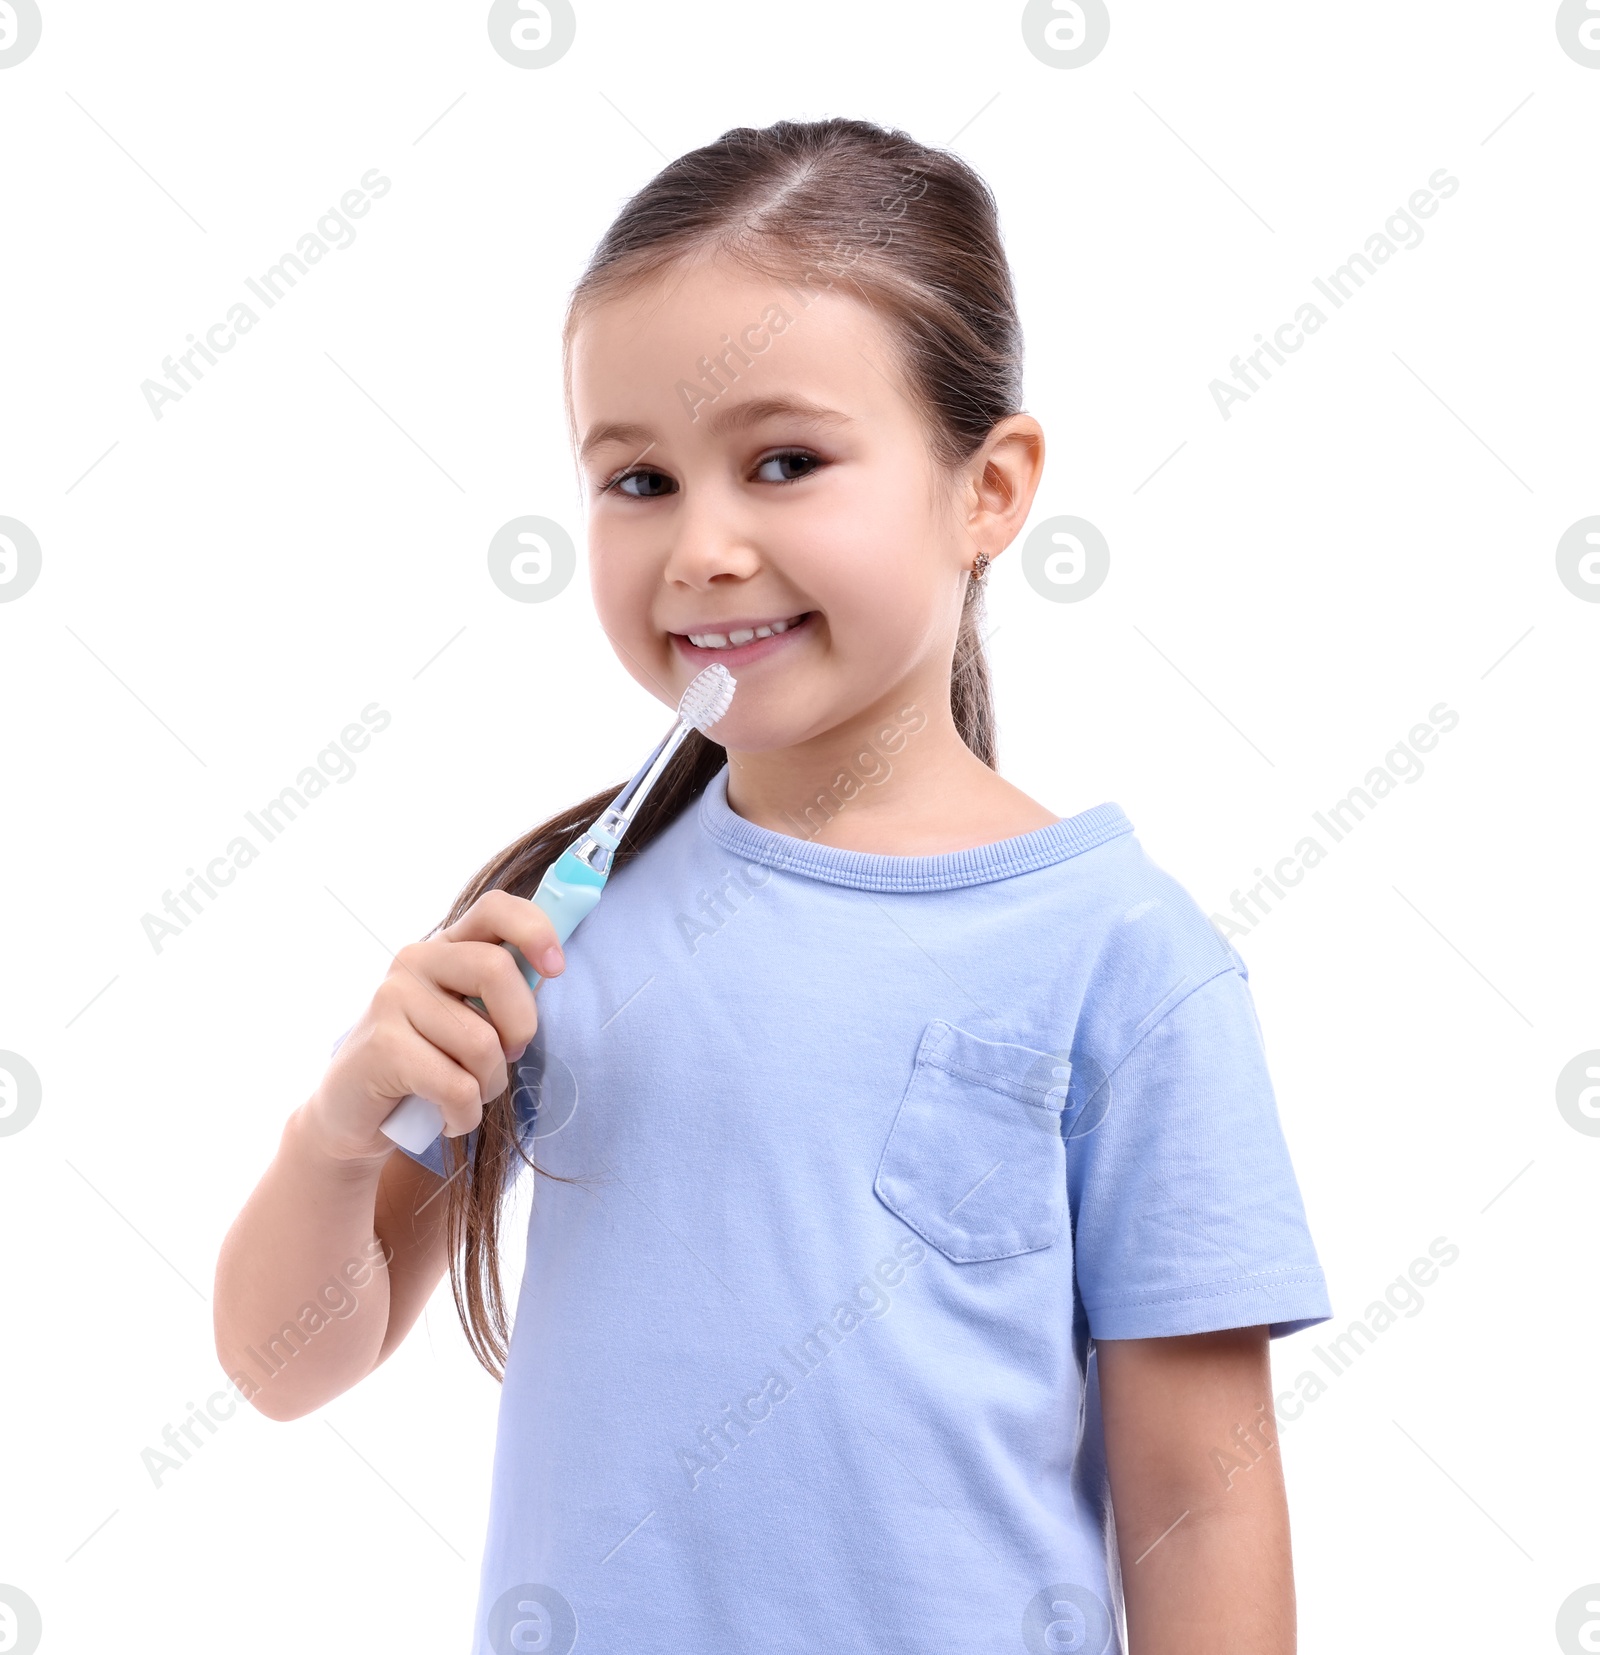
x=573, y=883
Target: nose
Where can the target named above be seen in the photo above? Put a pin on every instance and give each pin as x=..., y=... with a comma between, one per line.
x=708, y=539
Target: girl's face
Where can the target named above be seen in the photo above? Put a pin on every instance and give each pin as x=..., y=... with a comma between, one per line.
x=792, y=480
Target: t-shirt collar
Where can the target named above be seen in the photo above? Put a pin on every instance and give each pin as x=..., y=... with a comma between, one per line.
x=872, y=871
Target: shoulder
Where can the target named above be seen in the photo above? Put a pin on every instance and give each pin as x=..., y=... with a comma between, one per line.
x=1153, y=947
x=1155, y=915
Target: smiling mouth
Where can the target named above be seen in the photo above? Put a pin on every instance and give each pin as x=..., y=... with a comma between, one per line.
x=742, y=636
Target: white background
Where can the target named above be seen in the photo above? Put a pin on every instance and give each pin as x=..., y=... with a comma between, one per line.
x=224, y=589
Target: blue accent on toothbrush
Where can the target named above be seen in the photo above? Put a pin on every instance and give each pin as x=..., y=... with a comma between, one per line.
x=567, y=893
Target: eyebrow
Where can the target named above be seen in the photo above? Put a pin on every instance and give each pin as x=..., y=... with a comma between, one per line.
x=740, y=417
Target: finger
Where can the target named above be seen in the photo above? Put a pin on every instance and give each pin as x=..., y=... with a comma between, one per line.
x=432, y=1072
x=397, y=1059
x=487, y=970
x=498, y=916
x=464, y=1060
x=423, y=990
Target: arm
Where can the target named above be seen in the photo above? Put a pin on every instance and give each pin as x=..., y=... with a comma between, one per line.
x=1197, y=1490
x=361, y=1241
x=342, y=1242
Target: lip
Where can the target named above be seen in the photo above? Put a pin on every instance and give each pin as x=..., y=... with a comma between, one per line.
x=738, y=654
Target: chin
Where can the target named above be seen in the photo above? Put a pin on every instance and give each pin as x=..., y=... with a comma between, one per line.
x=750, y=736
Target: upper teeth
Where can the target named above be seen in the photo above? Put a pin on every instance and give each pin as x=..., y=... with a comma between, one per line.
x=727, y=640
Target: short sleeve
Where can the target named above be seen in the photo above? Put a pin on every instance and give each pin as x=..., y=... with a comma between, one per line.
x=1187, y=1217
x=433, y=1156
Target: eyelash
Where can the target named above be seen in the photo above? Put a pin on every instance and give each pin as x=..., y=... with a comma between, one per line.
x=612, y=484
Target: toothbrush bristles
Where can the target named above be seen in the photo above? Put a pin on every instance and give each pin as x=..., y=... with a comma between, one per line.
x=708, y=696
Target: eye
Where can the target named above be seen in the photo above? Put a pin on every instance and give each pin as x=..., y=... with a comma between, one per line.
x=656, y=483
x=614, y=485
x=786, y=456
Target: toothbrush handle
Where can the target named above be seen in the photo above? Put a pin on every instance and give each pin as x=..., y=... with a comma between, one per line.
x=569, y=890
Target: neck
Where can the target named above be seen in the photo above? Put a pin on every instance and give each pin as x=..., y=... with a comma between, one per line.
x=891, y=771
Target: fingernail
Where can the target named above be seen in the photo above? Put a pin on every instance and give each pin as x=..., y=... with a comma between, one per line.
x=512, y=1057
x=551, y=961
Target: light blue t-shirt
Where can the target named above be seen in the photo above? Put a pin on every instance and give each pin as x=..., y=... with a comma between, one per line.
x=873, y=1147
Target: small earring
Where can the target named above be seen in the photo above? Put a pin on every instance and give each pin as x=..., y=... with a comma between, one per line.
x=980, y=567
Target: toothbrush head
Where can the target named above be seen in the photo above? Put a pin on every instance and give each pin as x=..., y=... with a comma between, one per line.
x=708, y=696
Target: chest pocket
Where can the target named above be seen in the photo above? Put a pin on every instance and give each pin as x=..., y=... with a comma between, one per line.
x=974, y=1162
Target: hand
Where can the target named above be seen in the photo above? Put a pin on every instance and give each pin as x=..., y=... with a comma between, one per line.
x=420, y=1035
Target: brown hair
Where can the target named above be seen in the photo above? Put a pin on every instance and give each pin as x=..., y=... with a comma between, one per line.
x=917, y=234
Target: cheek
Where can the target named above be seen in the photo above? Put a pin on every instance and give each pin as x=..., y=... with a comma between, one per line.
x=621, y=589
x=874, y=552
x=876, y=520
x=878, y=609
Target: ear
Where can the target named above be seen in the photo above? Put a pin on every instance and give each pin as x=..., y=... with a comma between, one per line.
x=1002, y=479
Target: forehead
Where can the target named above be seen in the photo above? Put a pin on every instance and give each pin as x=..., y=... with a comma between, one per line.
x=645, y=353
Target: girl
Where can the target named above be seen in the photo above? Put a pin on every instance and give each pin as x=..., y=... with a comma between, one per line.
x=914, y=1212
